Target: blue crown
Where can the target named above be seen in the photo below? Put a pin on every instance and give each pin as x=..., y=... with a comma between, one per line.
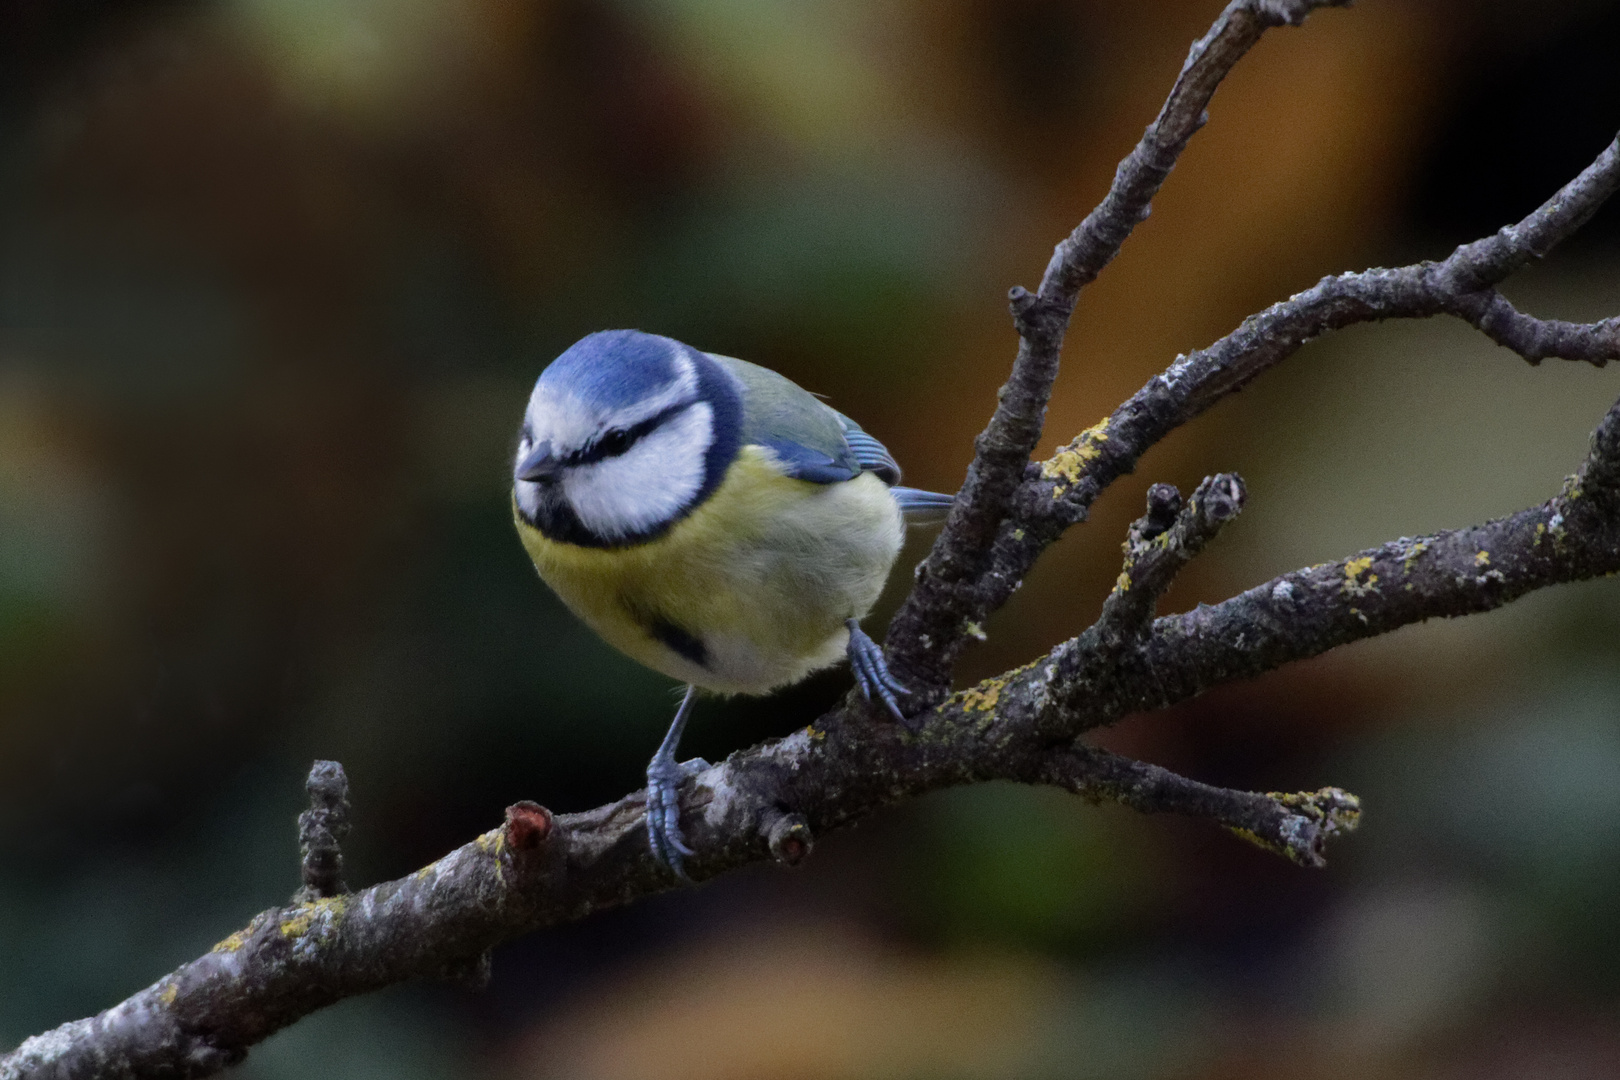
x=611, y=368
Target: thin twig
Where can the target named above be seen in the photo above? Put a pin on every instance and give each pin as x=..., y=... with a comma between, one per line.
x=1160, y=543
x=1538, y=339
x=1295, y=825
x=321, y=828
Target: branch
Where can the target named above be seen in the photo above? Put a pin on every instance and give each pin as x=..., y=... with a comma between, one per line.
x=958, y=585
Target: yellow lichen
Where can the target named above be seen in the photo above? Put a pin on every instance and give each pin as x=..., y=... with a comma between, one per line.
x=1412, y=553
x=232, y=943
x=1334, y=805
x=1124, y=582
x=492, y=842
x=169, y=993
x=1353, y=585
x=1069, y=463
x=1335, y=811
x=983, y=698
x=1482, y=558
x=298, y=925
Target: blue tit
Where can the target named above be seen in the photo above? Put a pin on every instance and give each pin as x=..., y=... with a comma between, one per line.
x=711, y=519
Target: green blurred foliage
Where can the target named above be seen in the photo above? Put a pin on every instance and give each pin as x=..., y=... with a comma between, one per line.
x=1031, y=868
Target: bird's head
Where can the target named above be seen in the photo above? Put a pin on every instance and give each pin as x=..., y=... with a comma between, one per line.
x=625, y=434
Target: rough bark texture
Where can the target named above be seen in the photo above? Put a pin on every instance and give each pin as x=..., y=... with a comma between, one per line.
x=770, y=801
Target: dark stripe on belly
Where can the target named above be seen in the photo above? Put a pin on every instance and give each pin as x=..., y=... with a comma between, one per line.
x=679, y=640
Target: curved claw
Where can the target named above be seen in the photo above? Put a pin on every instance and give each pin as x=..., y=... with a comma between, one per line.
x=669, y=845
x=872, y=673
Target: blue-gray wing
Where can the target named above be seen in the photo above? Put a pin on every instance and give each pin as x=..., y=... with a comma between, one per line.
x=807, y=436
x=815, y=442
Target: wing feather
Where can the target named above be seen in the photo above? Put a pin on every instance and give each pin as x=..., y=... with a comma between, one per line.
x=815, y=442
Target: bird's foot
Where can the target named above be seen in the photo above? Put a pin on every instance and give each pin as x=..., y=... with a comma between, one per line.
x=665, y=776
x=872, y=672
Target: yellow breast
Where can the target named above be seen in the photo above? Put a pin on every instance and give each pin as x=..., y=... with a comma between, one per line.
x=756, y=583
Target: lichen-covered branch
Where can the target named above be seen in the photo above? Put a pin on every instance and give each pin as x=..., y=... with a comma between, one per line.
x=1571, y=537
x=771, y=801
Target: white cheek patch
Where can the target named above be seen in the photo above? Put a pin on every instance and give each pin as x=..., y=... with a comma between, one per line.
x=650, y=484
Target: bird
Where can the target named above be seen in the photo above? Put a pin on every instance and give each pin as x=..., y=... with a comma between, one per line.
x=714, y=521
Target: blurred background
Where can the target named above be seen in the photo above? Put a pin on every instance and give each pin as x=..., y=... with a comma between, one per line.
x=276, y=276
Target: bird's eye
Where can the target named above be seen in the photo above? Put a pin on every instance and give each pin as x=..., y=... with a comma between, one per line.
x=613, y=443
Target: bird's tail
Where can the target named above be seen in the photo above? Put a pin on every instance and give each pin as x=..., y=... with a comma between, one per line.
x=922, y=507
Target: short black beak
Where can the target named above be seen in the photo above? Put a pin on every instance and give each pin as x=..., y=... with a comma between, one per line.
x=539, y=467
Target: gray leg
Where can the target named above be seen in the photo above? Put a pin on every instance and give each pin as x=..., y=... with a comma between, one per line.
x=872, y=671
x=664, y=777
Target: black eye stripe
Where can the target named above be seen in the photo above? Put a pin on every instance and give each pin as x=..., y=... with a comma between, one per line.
x=619, y=440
